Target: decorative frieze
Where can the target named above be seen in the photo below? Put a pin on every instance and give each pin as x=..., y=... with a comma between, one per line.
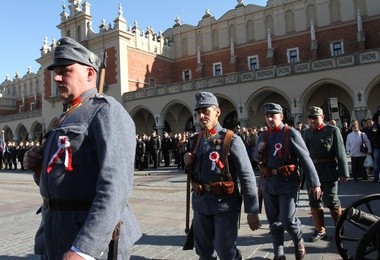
x=265, y=73
x=283, y=71
x=323, y=64
x=368, y=57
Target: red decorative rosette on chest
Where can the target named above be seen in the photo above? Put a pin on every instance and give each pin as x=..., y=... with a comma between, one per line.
x=214, y=157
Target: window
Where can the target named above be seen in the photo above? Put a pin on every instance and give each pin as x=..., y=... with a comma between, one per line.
x=186, y=75
x=337, y=48
x=21, y=108
x=32, y=106
x=293, y=55
x=253, y=63
x=218, y=69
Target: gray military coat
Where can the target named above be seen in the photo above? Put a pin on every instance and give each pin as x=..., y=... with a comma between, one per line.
x=240, y=169
x=102, y=139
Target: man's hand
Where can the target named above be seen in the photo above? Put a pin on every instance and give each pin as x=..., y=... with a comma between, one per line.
x=343, y=179
x=188, y=158
x=253, y=221
x=261, y=147
x=316, y=192
x=71, y=255
x=33, y=161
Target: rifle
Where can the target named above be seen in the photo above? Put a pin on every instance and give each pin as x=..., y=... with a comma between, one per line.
x=114, y=244
x=102, y=74
x=260, y=194
x=302, y=178
x=189, y=243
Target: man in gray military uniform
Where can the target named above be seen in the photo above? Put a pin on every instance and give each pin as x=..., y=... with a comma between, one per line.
x=216, y=211
x=85, y=193
x=279, y=151
x=325, y=143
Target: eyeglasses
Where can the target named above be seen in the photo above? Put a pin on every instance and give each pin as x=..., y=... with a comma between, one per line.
x=313, y=117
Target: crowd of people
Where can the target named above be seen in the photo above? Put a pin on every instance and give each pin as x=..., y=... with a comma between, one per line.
x=12, y=154
x=154, y=151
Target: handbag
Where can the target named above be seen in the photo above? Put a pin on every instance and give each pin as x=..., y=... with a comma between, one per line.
x=363, y=147
x=368, y=162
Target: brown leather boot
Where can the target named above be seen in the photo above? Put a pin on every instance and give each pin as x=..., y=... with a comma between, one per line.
x=300, y=250
x=335, y=214
x=319, y=223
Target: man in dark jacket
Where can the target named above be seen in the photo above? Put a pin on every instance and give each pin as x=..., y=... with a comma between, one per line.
x=375, y=143
x=154, y=148
x=166, y=147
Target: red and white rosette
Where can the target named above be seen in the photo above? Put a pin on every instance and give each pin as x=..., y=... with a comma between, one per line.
x=63, y=146
x=214, y=157
x=277, y=150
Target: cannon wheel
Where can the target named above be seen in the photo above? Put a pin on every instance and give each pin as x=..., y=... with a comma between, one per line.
x=369, y=243
x=340, y=238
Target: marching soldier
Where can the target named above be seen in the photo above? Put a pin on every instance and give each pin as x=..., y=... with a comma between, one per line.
x=326, y=147
x=85, y=212
x=216, y=198
x=279, y=151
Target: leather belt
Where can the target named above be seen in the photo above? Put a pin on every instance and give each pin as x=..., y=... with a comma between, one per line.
x=66, y=205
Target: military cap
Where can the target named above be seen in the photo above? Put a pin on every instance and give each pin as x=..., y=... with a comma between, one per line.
x=205, y=99
x=272, y=108
x=69, y=51
x=314, y=111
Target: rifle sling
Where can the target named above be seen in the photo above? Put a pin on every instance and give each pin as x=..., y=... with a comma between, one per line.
x=225, y=151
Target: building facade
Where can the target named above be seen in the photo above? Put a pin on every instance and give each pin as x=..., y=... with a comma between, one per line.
x=296, y=53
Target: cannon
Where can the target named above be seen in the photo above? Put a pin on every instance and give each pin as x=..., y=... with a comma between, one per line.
x=357, y=232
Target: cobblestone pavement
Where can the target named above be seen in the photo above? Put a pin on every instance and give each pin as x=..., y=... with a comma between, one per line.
x=158, y=200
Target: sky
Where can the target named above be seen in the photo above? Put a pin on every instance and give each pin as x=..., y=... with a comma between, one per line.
x=25, y=23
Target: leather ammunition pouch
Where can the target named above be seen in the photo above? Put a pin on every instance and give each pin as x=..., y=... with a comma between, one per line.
x=218, y=188
x=284, y=171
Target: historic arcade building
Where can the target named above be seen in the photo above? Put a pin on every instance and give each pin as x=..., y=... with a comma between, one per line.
x=294, y=52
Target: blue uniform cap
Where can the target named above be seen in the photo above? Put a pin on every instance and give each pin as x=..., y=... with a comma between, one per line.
x=314, y=111
x=69, y=51
x=205, y=99
x=272, y=108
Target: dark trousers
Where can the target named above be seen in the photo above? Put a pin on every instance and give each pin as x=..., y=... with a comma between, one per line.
x=166, y=157
x=329, y=196
x=156, y=158
x=357, y=168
